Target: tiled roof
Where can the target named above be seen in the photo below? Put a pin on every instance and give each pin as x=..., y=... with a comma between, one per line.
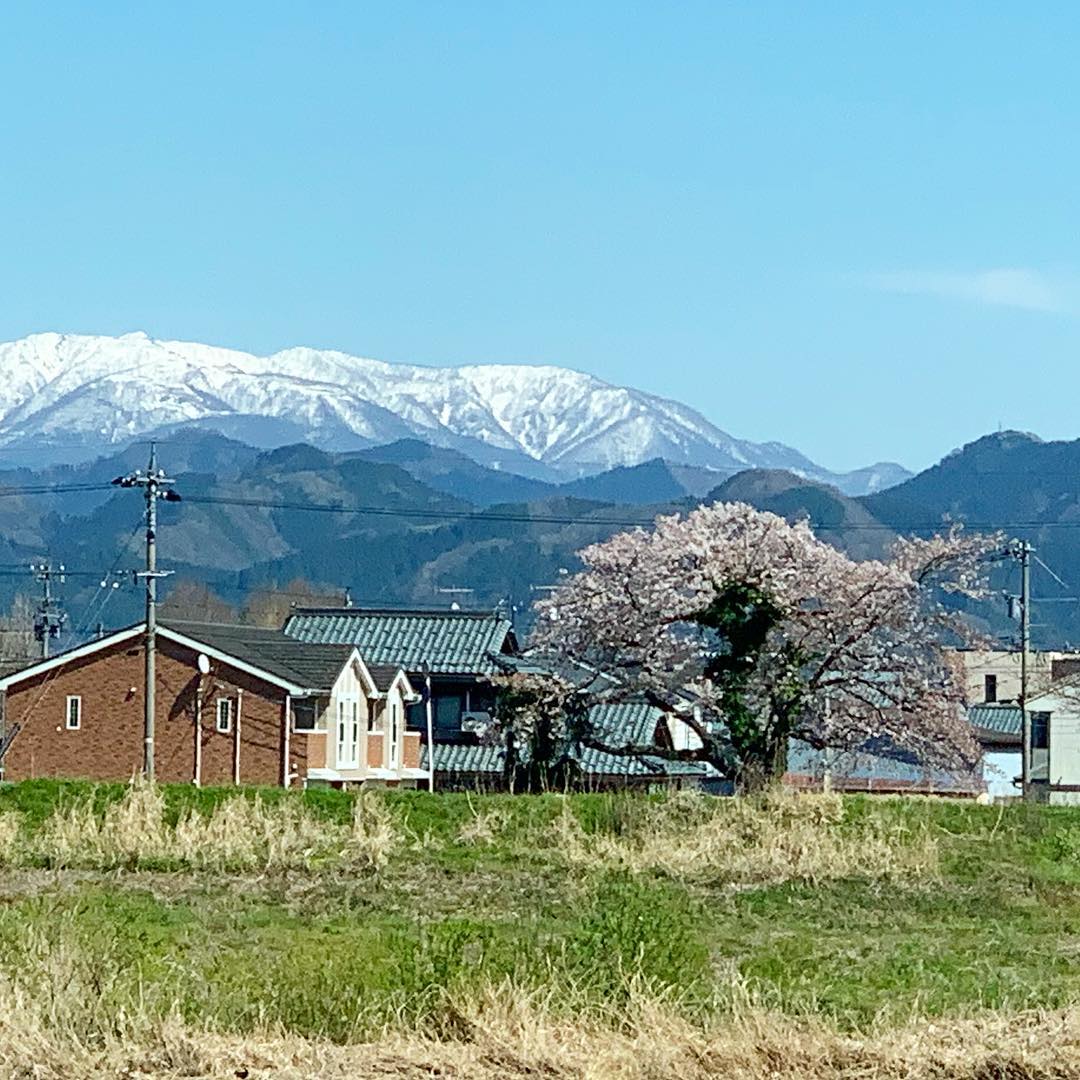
x=451, y=642
x=465, y=758
x=313, y=667
x=581, y=676
x=631, y=723
x=621, y=724
x=382, y=675
x=996, y=719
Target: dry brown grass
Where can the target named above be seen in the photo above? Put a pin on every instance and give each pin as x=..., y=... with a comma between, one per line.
x=52, y=1026
x=484, y=827
x=777, y=837
x=240, y=834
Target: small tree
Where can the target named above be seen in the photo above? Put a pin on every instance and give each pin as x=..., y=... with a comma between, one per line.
x=754, y=631
x=193, y=600
x=271, y=606
x=17, y=640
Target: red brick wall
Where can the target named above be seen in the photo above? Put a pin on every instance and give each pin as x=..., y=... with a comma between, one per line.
x=109, y=744
x=374, y=750
x=412, y=749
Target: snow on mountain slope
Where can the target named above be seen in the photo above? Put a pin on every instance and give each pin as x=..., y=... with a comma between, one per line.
x=71, y=389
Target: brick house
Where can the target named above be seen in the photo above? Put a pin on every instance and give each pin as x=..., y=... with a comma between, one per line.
x=235, y=704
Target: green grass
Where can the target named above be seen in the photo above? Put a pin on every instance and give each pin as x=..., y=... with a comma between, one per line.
x=342, y=954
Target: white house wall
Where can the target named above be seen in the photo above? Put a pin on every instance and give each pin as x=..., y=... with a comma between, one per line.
x=1005, y=665
x=394, y=699
x=1064, y=736
x=349, y=686
x=683, y=736
x=999, y=771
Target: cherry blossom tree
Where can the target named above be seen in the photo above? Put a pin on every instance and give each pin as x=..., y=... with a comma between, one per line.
x=751, y=630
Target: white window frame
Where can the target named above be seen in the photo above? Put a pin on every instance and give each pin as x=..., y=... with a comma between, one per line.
x=347, y=732
x=395, y=733
x=227, y=729
x=68, y=725
x=306, y=729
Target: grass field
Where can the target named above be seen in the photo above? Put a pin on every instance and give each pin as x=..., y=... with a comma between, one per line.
x=177, y=932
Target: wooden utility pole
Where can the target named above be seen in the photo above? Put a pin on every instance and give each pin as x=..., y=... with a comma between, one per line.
x=1024, y=551
x=156, y=485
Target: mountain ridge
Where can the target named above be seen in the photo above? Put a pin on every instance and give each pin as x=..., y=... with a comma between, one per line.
x=60, y=391
x=402, y=524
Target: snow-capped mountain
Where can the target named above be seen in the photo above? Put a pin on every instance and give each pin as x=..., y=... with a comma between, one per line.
x=72, y=391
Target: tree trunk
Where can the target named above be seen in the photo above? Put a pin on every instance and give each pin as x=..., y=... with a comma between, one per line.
x=763, y=763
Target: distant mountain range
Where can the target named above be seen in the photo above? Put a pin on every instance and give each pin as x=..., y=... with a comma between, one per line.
x=402, y=523
x=70, y=397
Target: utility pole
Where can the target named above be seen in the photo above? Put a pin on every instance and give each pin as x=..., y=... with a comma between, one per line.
x=49, y=620
x=1023, y=551
x=430, y=726
x=156, y=485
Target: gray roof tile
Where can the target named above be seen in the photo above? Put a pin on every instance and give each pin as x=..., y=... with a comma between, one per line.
x=879, y=768
x=630, y=723
x=996, y=719
x=313, y=667
x=452, y=642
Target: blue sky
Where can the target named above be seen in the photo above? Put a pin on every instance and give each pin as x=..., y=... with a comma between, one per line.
x=845, y=227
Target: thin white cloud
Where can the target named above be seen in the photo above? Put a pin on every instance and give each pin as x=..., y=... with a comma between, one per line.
x=1016, y=287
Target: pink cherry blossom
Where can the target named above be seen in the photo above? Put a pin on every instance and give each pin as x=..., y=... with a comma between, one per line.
x=857, y=653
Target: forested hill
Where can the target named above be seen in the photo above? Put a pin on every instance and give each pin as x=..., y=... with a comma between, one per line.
x=401, y=523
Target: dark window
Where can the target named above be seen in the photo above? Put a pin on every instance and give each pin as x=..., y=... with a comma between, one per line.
x=416, y=716
x=74, y=712
x=1040, y=731
x=990, y=689
x=448, y=709
x=482, y=699
x=1062, y=669
x=305, y=717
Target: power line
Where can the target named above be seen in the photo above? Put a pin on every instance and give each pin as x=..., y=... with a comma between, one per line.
x=518, y=518
x=523, y=517
x=51, y=489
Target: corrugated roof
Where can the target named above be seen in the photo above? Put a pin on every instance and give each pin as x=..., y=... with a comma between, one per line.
x=451, y=642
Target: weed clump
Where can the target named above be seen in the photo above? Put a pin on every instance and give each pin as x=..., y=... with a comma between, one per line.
x=778, y=836
x=484, y=828
x=238, y=834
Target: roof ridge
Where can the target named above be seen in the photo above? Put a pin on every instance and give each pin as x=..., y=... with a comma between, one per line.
x=416, y=612
x=165, y=620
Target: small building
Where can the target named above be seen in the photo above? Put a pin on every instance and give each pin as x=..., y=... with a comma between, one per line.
x=998, y=730
x=456, y=651
x=234, y=705
x=992, y=676
x=481, y=765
